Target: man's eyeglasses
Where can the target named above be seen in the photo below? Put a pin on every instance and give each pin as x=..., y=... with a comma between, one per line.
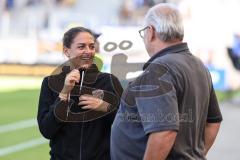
x=142, y=31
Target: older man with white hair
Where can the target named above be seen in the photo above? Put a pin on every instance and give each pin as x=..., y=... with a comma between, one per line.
x=171, y=110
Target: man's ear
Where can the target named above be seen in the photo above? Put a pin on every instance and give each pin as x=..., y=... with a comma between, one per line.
x=152, y=33
x=66, y=52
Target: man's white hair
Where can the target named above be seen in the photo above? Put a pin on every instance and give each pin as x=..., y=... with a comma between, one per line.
x=167, y=21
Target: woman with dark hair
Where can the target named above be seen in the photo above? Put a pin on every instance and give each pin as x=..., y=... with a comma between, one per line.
x=77, y=104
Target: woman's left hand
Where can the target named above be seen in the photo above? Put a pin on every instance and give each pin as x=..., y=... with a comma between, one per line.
x=94, y=103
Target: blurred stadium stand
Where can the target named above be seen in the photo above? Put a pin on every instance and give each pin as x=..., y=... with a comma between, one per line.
x=31, y=30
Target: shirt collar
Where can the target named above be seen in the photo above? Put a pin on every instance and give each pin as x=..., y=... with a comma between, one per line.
x=178, y=48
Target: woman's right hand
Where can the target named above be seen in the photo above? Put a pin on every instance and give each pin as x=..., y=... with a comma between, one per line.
x=70, y=80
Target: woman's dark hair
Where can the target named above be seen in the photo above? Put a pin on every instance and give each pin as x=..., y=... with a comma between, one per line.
x=72, y=33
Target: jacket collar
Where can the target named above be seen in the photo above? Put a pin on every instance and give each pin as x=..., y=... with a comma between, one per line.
x=92, y=69
x=90, y=75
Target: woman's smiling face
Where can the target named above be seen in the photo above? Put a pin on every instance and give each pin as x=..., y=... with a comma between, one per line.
x=82, y=50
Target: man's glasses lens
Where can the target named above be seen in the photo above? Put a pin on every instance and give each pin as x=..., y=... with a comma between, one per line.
x=141, y=32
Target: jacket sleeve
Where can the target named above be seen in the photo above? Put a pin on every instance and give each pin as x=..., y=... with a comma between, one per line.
x=47, y=122
x=117, y=87
x=117, y=91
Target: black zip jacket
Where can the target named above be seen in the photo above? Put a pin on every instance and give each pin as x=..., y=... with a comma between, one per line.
x=77, y=134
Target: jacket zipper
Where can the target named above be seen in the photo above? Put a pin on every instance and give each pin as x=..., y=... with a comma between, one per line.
x=81, y=137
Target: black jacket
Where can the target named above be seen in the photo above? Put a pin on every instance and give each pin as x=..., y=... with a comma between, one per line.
x=87, y=135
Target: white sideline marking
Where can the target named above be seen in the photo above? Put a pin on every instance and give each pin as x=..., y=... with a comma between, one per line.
x=22, y=146
x=18, y=125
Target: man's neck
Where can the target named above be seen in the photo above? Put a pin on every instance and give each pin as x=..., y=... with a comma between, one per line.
x=160, y=45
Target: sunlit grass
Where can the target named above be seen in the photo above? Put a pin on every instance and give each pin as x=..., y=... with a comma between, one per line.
x=11, y=83
x=18, y=105
x=18, y=136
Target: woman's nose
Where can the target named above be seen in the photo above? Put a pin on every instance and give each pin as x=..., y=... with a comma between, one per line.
x=89, y=48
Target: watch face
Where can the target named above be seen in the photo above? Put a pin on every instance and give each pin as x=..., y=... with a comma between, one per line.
x=98, y=93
